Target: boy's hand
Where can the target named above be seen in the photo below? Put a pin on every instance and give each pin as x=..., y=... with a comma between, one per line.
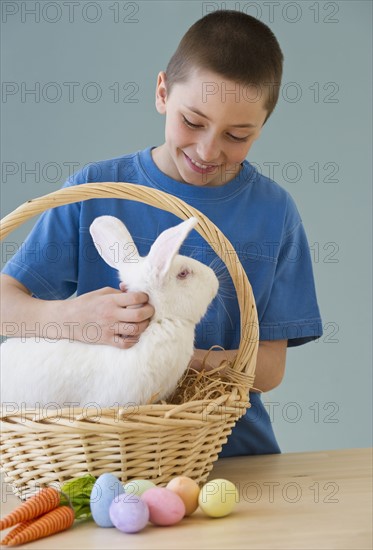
x=270, y=364
x=208, y=360
x=104, y=316
x=109, y=316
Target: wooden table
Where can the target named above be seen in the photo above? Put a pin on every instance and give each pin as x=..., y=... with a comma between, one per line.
x=310, y=501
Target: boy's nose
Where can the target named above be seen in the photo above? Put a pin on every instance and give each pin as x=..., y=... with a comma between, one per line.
x=208, y=151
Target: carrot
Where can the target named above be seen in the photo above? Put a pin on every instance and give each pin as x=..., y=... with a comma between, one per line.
x=18, y=529
x=56, y=520
x=47, y=499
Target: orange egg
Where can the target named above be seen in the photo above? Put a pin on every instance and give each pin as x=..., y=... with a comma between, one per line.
x=188, y=491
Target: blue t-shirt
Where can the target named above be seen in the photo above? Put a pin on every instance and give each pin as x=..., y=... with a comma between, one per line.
x=256, y=214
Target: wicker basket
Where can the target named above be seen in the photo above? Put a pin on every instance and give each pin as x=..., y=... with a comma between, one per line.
x=157, y=441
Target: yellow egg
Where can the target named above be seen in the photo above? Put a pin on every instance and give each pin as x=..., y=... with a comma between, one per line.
x=218, y=497
x=188, y=491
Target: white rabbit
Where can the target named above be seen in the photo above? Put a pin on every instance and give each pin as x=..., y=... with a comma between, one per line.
x=37, y=372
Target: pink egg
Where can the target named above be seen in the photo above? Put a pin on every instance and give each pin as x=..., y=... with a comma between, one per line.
x=165, y=506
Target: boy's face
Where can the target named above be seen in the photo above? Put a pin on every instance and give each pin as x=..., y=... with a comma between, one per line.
x=211, y=124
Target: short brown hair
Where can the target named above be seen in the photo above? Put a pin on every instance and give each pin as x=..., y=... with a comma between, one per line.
x=234, y=45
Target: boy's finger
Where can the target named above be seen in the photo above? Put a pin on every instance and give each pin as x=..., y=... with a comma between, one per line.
x=127, y=299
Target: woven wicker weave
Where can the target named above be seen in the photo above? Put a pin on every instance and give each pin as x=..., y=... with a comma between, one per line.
x=157, y=441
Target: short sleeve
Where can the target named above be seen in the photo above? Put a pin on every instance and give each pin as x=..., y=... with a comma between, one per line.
x=46, y=263
x=292, y=310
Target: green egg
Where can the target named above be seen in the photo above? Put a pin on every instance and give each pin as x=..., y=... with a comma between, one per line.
x=138, y=486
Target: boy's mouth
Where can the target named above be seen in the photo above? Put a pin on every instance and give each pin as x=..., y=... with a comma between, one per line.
x=198, y=167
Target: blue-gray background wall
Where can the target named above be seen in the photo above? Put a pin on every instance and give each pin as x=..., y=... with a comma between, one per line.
x=78, y=82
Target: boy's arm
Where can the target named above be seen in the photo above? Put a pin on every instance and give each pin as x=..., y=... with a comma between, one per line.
x=24, y=316
x=104, y=316
x=270, y=365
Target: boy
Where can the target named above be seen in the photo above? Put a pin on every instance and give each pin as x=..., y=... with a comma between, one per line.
x=219, y=89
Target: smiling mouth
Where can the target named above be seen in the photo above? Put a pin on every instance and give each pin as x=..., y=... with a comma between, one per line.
x=205, y=167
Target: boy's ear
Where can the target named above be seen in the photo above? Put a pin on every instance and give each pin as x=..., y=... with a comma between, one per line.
x=161, y=93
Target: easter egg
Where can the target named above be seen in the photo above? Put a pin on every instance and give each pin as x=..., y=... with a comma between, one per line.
x=129, y=513
x=138, y=486
x=218, y=497
x=165, y=506
x=104, y=491
x=188, y=491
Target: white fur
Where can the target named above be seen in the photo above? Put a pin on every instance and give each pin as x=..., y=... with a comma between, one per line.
x=37, y=372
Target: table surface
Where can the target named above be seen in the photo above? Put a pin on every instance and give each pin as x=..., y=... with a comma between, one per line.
x=313, y=500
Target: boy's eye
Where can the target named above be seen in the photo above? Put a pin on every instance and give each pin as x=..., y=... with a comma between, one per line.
x=190, y=124
x=235, y=138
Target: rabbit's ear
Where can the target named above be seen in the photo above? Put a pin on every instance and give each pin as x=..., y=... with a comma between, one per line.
x=167, y=245
x=113, y=241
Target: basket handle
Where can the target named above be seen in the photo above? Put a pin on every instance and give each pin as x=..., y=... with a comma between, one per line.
x=245, y=360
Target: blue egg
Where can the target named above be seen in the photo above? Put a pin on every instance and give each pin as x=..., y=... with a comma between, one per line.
x=104, y=491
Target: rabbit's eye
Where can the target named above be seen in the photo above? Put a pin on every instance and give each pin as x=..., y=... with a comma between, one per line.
x=183, y=274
